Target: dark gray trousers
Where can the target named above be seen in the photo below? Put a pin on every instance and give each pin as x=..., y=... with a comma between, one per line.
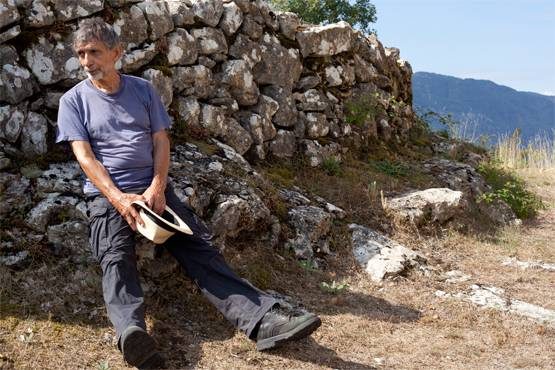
x=113, y=245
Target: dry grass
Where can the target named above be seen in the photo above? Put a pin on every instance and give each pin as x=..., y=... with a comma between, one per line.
x=400, y=324
x=538, y=154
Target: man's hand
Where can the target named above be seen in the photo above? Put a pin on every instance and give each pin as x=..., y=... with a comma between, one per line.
x=127, y=210
x=155, y=199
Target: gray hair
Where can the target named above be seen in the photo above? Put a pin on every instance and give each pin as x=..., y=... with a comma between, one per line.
x=91, y=29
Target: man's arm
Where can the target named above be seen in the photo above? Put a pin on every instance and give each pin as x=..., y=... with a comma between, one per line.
x=98, y=175
x=154, y=195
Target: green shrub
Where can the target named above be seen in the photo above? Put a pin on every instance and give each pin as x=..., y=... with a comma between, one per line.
x=394, y=169
x=360, y=110
x=508, y=187
x=331, y=166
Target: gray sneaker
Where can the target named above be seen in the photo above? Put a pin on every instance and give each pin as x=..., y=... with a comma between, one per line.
x=281, y=325
x=139, y=349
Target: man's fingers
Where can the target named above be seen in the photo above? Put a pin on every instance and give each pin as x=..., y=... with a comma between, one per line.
x=136, y=217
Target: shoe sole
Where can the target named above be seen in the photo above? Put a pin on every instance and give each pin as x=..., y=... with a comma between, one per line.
x=138, y=347
x=301, y=331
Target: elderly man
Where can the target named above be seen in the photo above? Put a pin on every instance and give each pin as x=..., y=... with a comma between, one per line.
x=116, y=125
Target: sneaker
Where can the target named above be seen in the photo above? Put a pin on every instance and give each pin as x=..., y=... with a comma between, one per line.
x=281, y=325
x=139, y=349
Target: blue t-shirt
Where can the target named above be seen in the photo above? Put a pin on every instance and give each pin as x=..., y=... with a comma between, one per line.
x=118, y=126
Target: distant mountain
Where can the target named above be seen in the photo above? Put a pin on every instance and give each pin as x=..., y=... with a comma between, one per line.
x=483, y=107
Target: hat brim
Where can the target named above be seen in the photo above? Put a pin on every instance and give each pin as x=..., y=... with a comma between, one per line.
x=173, y=224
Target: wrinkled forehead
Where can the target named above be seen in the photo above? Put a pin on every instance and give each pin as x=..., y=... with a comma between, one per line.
x=89, y=45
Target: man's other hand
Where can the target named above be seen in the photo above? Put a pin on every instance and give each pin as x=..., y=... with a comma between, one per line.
x=127, y=210
x=155, y=199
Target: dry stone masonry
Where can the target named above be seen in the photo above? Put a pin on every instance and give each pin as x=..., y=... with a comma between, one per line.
x=259, y=80
x=254, y=82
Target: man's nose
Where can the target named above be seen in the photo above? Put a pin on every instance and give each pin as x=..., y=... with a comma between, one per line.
x=86, y=60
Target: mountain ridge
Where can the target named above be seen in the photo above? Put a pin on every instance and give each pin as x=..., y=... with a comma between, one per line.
x=483, y=106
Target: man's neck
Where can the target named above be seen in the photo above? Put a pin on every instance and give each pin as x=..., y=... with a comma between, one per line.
x=108, y=84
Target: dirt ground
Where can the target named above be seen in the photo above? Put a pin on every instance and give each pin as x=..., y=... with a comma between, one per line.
x=45, y=323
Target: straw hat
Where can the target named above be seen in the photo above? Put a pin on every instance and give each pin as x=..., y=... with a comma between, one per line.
x=159, y=228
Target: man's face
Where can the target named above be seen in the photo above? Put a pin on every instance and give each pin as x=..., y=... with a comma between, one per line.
x=97, y=59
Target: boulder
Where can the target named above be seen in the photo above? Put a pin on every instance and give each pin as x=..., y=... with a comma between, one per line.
x=8, y=13
x=237, y=214
x=182, y=13
x=132, y=27
x=15, y=194
x=380, y=256
x=316, y=125
x=66, y=10
x=53, y=61
x=312, y=226
x=231, y=19
x=63, y=178
x=438, y=205
x=284, y=145
x=49, y=208
x=158, y=17
x=10, y=33
x=287, y=113
x=246, y=49
x=40, y=13
x=207, y=12
x=196, y=80
x=210, y=40
x=285, y=73
x=313, y=100
x=251, y=28
x=308, y=82
x=325, y=41
x=181, y=48
x=317, y=153
x=70, y=237
x=12, y=120
x=237, y=76
x=214, y=120
x=132, y=61
x=34, y=135
x=189, y=110
x=288, y=24
x=162, y=84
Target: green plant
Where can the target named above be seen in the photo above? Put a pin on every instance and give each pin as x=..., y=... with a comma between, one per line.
x=359, y=13
x=103, y=365
x=331, y=166
x=308, y=265
x=393, y=169
x=334, y=287
x=362, y=109
x=508, y=187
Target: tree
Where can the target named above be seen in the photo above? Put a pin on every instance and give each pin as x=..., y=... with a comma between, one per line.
x=359, y=13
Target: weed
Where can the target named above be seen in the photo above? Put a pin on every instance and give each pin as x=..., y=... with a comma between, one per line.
x=334, y=287
x=332, y=166
x=508, y=187
x=308, y=265
x=373, y=192
x=363, y=109
x=393, y=169
x=103, y=365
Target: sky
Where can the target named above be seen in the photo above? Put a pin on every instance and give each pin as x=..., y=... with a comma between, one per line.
x=510, y=42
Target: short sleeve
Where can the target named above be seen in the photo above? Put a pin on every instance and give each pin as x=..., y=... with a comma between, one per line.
x=70, y=124
x=159, y=118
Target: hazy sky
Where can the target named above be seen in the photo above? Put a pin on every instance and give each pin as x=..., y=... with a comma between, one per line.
x=510, y=42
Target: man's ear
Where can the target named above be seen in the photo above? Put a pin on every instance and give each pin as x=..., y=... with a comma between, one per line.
x=119, y=51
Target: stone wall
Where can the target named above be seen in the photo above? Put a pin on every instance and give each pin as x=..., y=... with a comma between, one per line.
x=256, y=83
x=260, y=81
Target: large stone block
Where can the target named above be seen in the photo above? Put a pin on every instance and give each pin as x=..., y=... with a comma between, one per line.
x=325, y=41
